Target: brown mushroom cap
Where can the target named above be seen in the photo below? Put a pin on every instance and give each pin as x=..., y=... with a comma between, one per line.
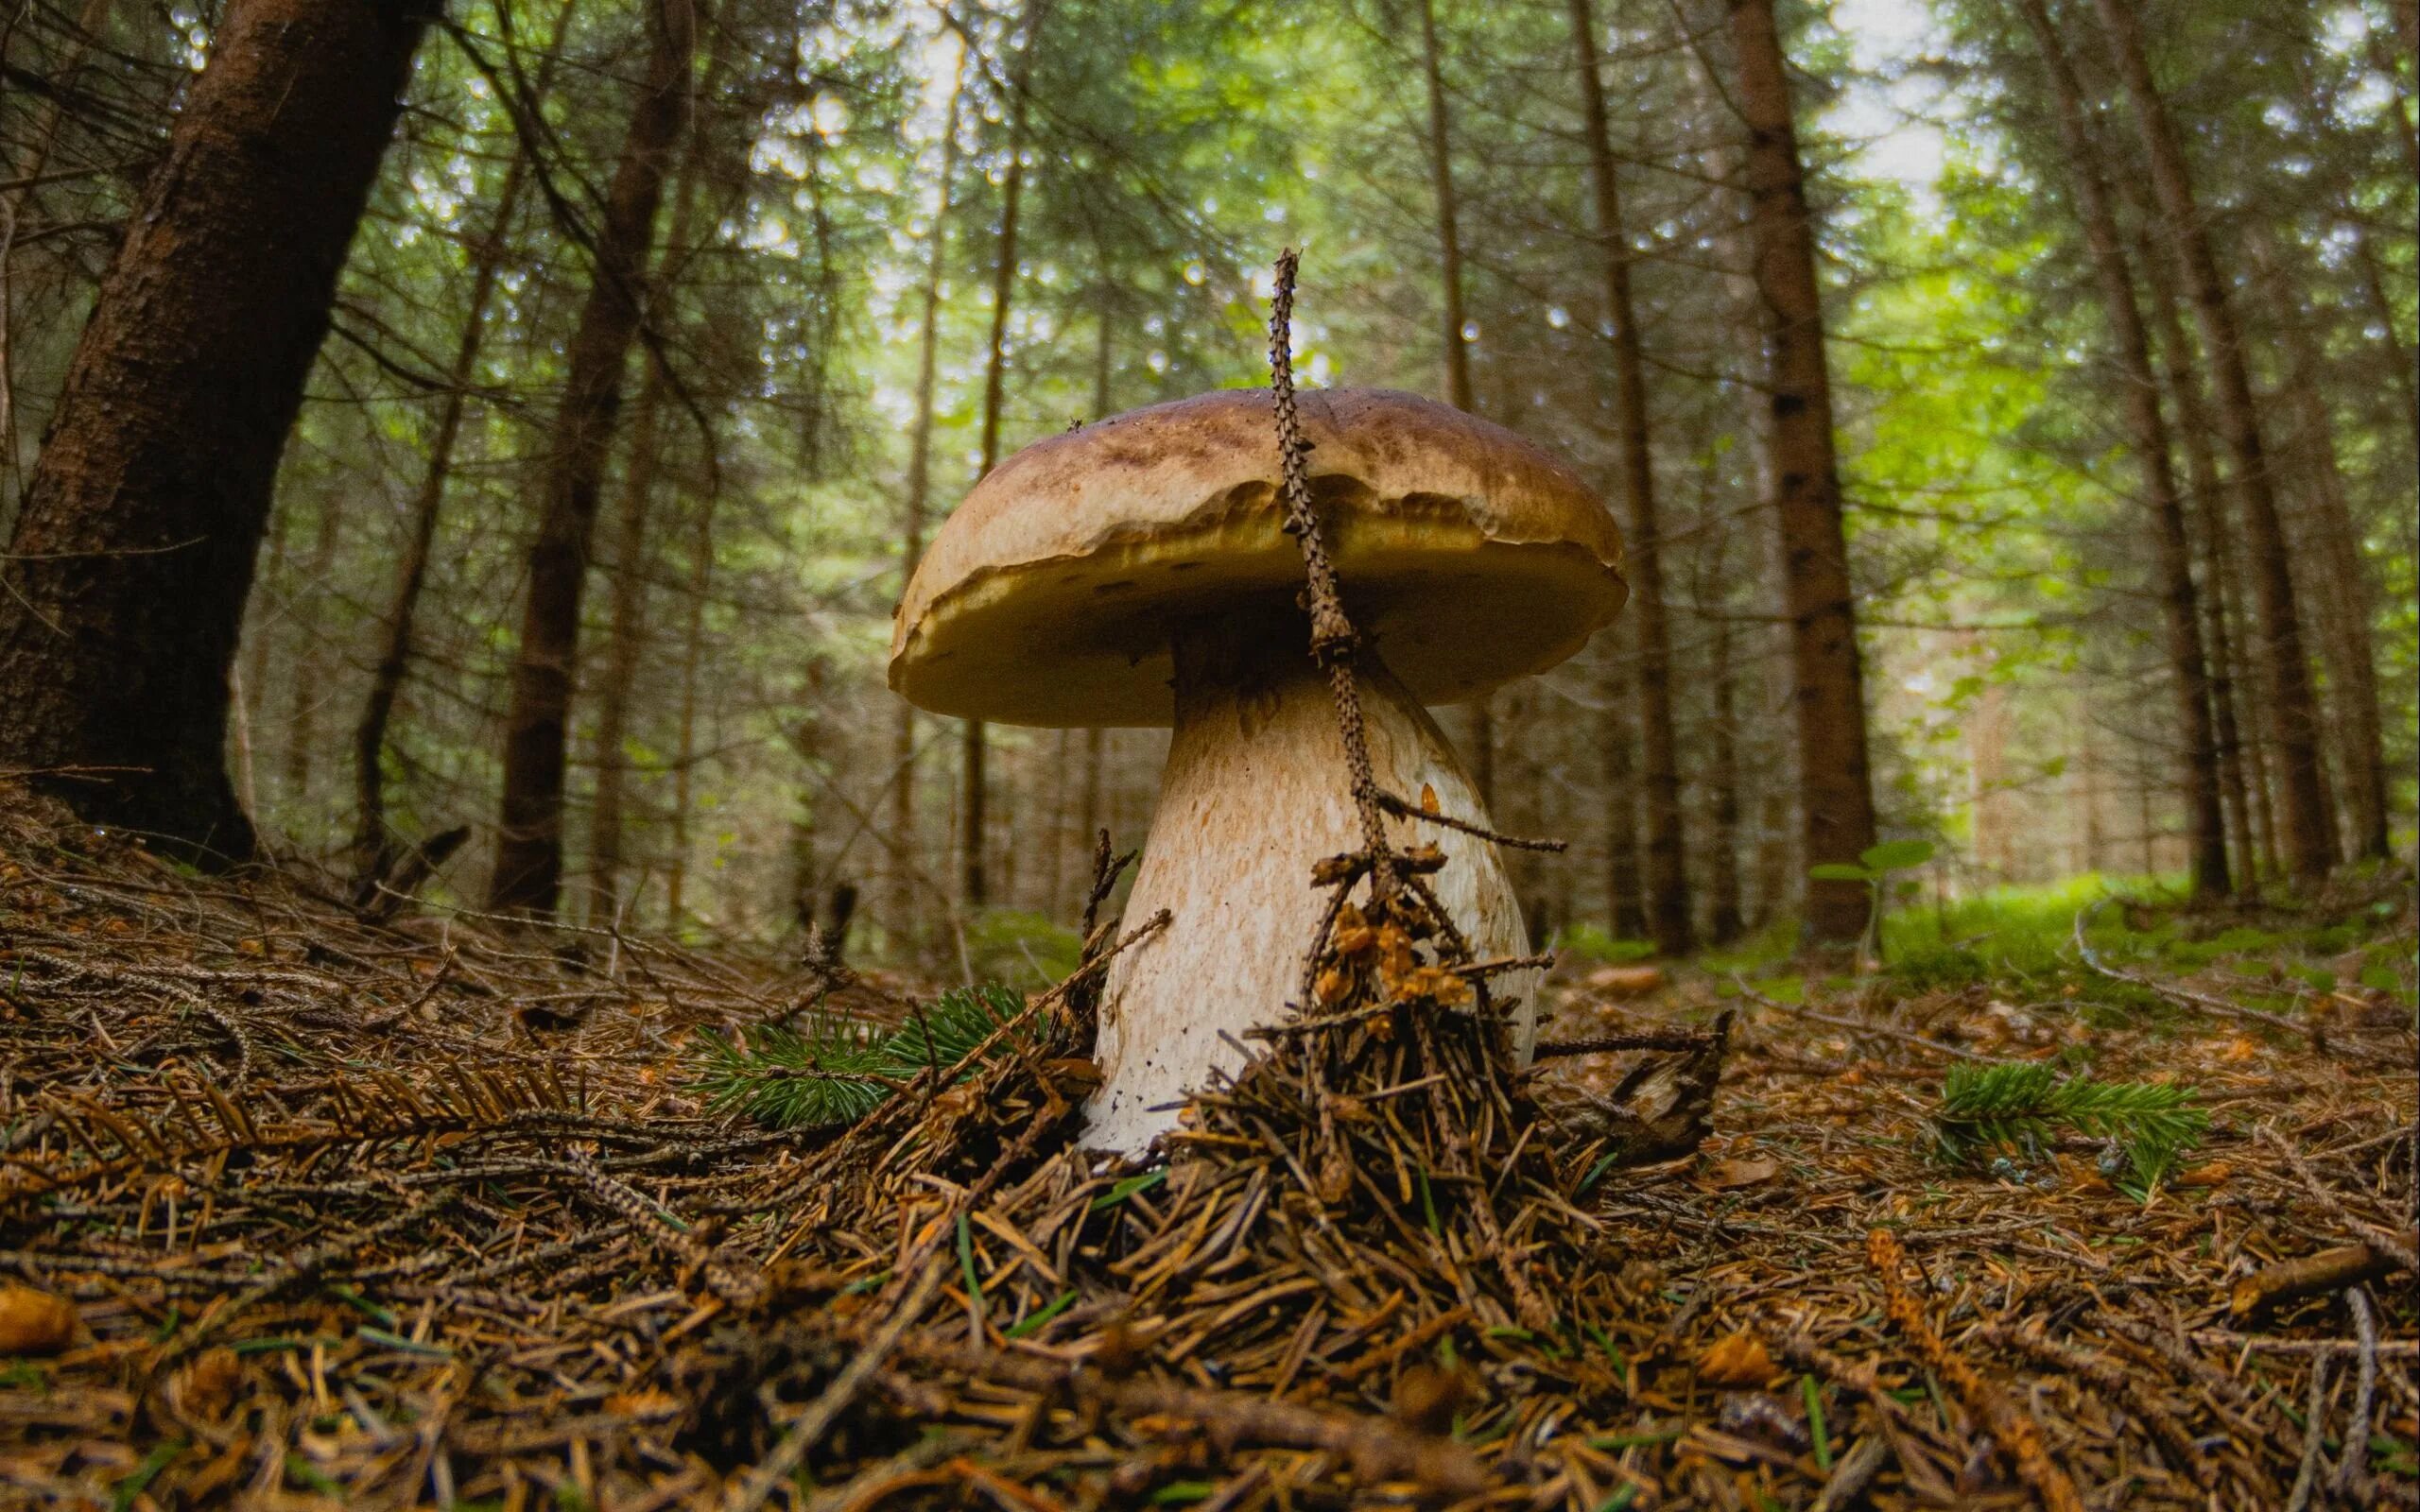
x=1468, y=555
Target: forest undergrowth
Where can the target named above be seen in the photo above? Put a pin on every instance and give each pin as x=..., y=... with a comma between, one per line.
x=307, y=1211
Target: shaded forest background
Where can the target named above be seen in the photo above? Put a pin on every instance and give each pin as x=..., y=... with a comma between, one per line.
x=886, y=244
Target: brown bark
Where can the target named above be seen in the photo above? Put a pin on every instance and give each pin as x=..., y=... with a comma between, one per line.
x=373, y=847
x=2139, y=388
x=1456, y=346
x=1728, y=923
x=1625, y=908
x=132, y=554
x=2293, y=712
x=529, y=843
x=911, y=524
x=1668, y=883
x=972, y=879
x=625, y=644
x=307, y=688
x=26, y=171
x=684, y=740
x=2220, y=606
x=2347, y=613
x=626, y=638
x=1828, y=682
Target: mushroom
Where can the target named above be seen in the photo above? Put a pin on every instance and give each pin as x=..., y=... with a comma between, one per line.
x=1136, y=572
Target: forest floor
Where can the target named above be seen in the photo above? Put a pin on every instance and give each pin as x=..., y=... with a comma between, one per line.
x=298, y=1211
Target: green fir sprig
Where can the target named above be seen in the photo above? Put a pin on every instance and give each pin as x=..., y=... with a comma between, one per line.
x=2020, y=1108
x=835, y=1071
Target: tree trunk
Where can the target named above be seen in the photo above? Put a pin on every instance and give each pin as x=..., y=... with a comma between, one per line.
x=972, y=835
x=1456, y=347
x=374, y=847
x=132, y=554
x=684, y=742
x=1625, y=911
x=2219, y=577
x=1828, y=682
x=308, y=689
x=2309, y=838
x=2172, y=548
x=624, y=644
x=529, y=843
x=625, y=640
x=2347, y=614
x=912, y=510
x=1668, y=880
x=1728, y=923
x=25, y=172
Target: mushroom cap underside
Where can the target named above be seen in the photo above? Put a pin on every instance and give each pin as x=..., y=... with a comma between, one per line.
x=1468, y=555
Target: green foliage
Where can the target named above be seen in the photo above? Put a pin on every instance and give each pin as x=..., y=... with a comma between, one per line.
x=836, y=1071
x=2018, y=1108
x=1592, y=944
x=1011, y=945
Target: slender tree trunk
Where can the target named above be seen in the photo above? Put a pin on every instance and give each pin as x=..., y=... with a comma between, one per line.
x=1456, y=331
x=529, y=846
x=373, y=847
x=972, y=836
x=624, y=646
x=2309, y=836
x=626, y=639
x=2347, y=614
x=1626, y=913
x=1668, y=880
x=26, y=171
x=1836, y=788
x=307, y=690
x=2138, y=386
x=903, y=909
x=132, y=554
x=685, y=750
x=2218, y=600
x=1722, y=874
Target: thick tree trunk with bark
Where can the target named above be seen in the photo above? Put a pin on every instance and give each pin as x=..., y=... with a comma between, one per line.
x=1835, y=783
x=132, y=554
x=2138, y=386
x=1667, y=882
x=2311, y=841
x=529, y=843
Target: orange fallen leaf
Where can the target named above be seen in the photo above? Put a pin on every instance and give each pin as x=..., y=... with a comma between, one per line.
x=1737, y=1361
x=2208, y=1175
x=1626, y=981
x=1724, y=1176
x=34, y=1322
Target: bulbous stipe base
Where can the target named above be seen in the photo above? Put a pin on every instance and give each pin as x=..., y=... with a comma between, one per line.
x=1254, y=793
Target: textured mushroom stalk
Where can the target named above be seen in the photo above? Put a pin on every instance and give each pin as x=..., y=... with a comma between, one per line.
x=1254, y=793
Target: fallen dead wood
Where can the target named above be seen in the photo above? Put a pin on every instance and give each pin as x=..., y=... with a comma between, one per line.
x=2290, y=1280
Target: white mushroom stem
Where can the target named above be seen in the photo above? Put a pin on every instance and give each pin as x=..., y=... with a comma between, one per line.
x=1254, y=793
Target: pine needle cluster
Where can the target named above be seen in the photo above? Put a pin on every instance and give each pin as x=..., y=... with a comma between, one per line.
x=2020, y=1108
x=837, y=1071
